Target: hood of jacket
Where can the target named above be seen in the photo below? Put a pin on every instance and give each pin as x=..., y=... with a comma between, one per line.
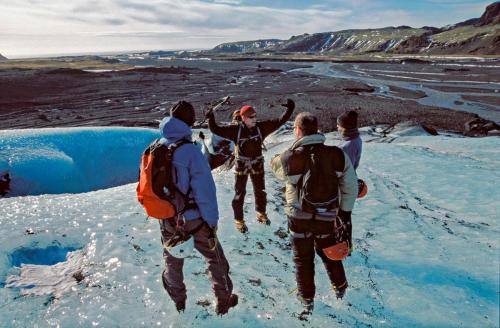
x=173, y=129
x=309, y=140
x=349, y=134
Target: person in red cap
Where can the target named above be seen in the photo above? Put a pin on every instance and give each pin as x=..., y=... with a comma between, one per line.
x=248, y=137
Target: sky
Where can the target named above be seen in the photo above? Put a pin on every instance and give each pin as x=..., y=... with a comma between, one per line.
x=37, y=28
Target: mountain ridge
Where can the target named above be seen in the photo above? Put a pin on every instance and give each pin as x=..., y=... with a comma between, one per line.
x=476, y=36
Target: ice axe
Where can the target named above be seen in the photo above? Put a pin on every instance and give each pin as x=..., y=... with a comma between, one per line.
x=221, y=103
x=216, y=107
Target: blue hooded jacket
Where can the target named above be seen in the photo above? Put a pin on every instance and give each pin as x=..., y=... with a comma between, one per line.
x=353, y=146
x=191, y=170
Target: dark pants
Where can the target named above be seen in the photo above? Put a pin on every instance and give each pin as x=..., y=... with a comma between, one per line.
x=240, y=189
x=304, y=250
x=218, y=267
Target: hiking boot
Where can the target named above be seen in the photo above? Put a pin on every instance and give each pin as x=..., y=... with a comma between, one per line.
x=263, y=219
x=180, y=306
x=240, y=225
x=224, y=305
x=308, y=304
x=340, y=291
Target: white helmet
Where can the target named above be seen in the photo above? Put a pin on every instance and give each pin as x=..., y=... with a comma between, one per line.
x=181, y=250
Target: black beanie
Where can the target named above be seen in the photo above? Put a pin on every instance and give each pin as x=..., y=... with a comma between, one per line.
x=183, y=111
x=348, y=120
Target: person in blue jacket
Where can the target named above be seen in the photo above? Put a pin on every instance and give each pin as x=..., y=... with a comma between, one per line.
x=193, y=177
x=352, y=145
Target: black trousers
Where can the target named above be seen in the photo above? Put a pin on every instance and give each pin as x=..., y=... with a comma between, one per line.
x=304, y=250
x=240, y=189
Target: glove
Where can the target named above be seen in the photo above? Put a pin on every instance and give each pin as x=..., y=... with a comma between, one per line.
x=290, y=105
x=212, y=238
x=345, y=217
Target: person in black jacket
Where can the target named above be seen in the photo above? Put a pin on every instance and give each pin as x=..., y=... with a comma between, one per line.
x=312, y=233
x=248, y=137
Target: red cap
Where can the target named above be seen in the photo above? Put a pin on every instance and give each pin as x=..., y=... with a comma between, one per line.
x=247, y=110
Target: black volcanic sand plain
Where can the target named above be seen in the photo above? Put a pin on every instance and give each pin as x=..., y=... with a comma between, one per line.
x=65, y=97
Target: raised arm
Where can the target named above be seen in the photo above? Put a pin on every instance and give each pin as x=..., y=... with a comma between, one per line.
x=269, y=126
x=228, y=132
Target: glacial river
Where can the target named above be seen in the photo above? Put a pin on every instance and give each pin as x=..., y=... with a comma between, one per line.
x=405, y=77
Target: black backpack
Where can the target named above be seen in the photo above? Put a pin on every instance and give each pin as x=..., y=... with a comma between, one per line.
x=318, y=186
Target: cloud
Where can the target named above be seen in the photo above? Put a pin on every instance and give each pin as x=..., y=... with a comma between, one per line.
x=171, y=24
x=228, y=2
x=189, y=15
x=219, y=18
x=115, y=21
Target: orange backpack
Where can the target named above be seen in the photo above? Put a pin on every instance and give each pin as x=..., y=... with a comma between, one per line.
x=156, y=189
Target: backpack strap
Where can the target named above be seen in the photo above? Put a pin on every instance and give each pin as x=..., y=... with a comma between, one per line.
x=237, y=144
x=238, y=138
x=154, y=145
x=188, y=202
x=309, y=235
x=309, y=151
x=262, y=139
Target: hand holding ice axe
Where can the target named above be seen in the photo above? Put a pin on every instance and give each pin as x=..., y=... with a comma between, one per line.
x=210, y=112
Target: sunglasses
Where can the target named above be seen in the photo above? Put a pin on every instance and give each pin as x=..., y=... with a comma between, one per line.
x=253, y=116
